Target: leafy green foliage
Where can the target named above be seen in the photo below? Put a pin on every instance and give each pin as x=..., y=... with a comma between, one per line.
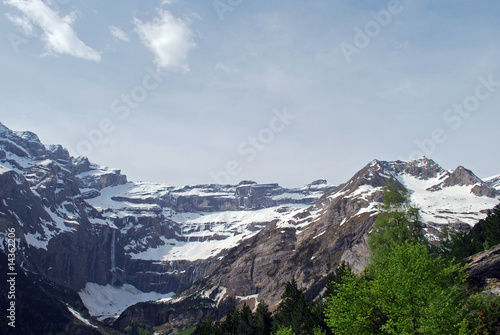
x=482, y=315
x=352, y=309
x=406, y=289
x=417, y=292
x=408, y=292
x=398, y=221
x=284, y=331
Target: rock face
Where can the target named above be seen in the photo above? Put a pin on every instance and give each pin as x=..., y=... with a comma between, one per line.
x=214, y=245
x=81, y=223
x=484, y=267
x=311, y=243
x=464, y=177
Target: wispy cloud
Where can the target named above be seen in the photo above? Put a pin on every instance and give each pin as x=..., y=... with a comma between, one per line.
x=57, y=31
x=118, y=33
x=22, y=22
x=169, y=38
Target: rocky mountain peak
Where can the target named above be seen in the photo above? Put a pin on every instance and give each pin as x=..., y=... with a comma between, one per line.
x=462, y=177
x=422, y=168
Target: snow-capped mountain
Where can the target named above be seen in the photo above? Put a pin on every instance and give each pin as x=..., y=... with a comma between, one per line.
x=311, y=243
x=85, y=226
x=454, y=197
x=119, y=242
x=203, y=219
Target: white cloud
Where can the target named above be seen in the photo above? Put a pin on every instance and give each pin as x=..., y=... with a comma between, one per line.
x=22, y=22
x=57, y=32
x=169, y=38
x=118, y=33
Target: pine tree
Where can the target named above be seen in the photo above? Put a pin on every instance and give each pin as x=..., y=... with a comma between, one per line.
x=263, y=319
x=336, y=277
x=246, y=323
x=205, y=328
x=293, y=310
x=231, y=323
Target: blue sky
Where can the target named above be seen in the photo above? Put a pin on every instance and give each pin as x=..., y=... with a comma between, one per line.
x=187, y=92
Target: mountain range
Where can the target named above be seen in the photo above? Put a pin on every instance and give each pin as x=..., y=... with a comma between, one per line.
x=196, y=250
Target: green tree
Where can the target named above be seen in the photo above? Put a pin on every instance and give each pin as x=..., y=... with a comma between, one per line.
x=246, y=322
x=205, y=328
x=398, y=221
x=293, y=310
x=231, y=323
x=482, y=315
x=263, y=319
x=352, y=309
x=418, y=293
x=405, y=290
x=408, y=292
x=284, y=331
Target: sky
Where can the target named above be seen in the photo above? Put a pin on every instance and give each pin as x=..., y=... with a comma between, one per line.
x=191, y=92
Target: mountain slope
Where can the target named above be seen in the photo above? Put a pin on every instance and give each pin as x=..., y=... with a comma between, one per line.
x=311, y=243
x=85, y=226
x=119, y=242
